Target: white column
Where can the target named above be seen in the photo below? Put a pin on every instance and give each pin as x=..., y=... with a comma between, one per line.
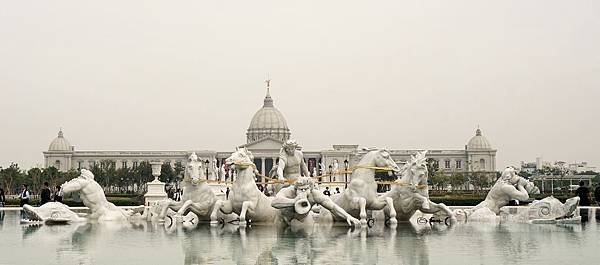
x=262, y=166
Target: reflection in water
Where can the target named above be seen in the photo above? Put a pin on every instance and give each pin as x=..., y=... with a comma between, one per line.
x=408, y=243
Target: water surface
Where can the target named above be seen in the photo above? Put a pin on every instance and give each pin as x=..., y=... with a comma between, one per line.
x=152, y=243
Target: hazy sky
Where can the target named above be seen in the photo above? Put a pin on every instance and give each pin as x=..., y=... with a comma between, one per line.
x=183, y=75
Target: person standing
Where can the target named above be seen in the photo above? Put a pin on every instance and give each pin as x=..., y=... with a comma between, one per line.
x=597, y=195
x=227, y=194
x=2, y=198
x=58, y=194
x=584, y=194
x=45, y=194
x=24, y=196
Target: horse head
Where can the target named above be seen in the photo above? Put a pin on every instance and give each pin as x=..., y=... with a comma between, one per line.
x=77, y=183
x=382, y=158
x=241, y=158
x=193, y=169
x=416, y=170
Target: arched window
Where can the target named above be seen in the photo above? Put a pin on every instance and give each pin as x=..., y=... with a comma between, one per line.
x=482, y=164
x=57, y=164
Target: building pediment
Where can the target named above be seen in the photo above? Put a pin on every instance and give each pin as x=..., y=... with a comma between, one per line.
x=268, y=143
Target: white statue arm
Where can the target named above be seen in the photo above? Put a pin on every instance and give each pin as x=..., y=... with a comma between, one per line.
x=518, y=193
x=282, y=201
x=304, y=168
x=280, y=168
x=326, y=202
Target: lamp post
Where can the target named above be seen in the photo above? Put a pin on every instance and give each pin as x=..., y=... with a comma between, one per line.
x=330, y=172
x=206, y=166
x=346, y=174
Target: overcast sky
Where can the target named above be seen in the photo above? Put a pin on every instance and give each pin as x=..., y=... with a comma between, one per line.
x=183, y=75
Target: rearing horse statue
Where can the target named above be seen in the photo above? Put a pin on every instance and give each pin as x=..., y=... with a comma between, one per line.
x=361, y=194
x=198, y=197
x=411, y=193
x=245, y=199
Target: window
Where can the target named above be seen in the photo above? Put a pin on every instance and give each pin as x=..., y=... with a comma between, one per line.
x=79, y=164
x=124, y=164
x=57, y=164
x=482, y=164
x=92, y=164
x=135, y=164
x=458, y=164
x=447, y=164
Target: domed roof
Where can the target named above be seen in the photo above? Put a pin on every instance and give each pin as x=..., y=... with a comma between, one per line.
x=479, y=141
x=59, y=143
x=268, y=121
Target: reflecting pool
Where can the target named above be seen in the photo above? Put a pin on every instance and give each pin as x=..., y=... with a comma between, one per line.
x=409, y=243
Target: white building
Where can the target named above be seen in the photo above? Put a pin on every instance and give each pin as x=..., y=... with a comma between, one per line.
x=267, y=131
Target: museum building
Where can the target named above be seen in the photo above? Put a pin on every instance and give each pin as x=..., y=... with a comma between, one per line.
x=267, y=131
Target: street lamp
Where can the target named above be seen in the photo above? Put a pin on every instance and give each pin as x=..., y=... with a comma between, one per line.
x=206, y=166
x=330, y=172
x=346, y=174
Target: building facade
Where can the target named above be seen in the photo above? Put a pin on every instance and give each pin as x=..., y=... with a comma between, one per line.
x=266, y=133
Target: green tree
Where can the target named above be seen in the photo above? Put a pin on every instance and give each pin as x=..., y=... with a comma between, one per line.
x=457, y=180
x=35, y=175
x=433, y=166
x=167, y=174
x=439, y=180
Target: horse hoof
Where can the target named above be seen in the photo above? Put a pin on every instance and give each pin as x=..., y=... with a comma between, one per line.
x=393, y=221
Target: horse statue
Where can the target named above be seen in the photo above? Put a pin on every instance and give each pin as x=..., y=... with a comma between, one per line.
x=93, y=197
x=245, y=199
x=361, y=194
x=410, y=193
x=198, y=197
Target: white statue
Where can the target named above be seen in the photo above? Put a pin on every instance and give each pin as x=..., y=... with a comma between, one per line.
x=93, y=197
x=291, y=162
x=52, y=213
x=215, y=170
x=245, y=199
x=411, y=192
x=295, y=203
x=361, y=194
x=222, y=172
x=546, y=211
x=509, y=186
x=198, y=197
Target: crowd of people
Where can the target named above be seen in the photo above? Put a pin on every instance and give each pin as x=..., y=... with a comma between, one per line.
x=46, y=195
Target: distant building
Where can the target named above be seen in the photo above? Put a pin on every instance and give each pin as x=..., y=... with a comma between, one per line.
x=267, y=131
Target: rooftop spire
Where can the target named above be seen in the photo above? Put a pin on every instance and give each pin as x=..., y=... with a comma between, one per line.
x=268, y=100
x=60, y=133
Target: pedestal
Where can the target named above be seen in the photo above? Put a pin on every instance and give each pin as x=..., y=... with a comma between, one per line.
x=156, y=192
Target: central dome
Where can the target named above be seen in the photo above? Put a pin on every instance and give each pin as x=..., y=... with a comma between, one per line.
x=479, y=141
x=268, y=122
x=60, y=144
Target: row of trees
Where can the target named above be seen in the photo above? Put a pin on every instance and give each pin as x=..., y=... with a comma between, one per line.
x=112, y=179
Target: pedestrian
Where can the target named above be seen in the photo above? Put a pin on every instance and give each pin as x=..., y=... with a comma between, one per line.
x=24, y=196
x=327, y=192
x=227, y=194
x=177, y=196
x=2, y=198
x=45, y=194
x=58, y=194
x=584, y=194
x=337, y=189
x=597, y=194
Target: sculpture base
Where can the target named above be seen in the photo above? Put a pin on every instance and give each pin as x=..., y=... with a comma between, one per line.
x=156, y=192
